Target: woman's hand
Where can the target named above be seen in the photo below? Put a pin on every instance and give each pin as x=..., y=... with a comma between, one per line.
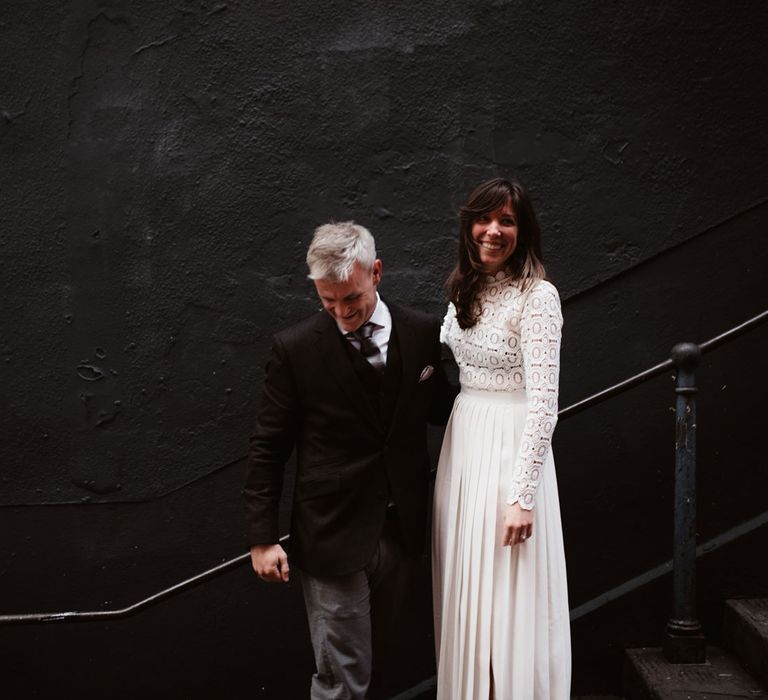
x=518, y=525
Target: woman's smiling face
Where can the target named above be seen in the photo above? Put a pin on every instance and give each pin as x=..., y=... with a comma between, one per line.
x=495, y=235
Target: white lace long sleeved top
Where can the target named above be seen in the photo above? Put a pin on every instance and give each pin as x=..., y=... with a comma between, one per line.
x=515, y=346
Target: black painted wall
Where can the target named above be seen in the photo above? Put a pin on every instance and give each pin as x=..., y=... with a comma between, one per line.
x=164, y=166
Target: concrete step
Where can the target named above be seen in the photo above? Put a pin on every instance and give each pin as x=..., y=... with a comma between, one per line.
x=432, y=693
x=649, y=676
x=745, y=632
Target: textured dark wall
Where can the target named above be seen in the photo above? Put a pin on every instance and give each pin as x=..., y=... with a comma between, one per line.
x=164, y=166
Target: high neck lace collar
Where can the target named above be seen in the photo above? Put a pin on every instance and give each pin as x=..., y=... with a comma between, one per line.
x=500, y=276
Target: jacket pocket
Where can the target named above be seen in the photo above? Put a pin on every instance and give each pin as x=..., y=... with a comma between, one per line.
x=313, y=488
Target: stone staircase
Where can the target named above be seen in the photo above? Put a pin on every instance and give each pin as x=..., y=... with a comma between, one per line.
x=741, y=671
x=746, y=634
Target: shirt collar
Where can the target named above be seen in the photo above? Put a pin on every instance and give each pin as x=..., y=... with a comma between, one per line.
x=380, y=316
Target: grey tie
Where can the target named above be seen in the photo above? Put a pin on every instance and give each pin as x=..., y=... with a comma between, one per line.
x=368, y=347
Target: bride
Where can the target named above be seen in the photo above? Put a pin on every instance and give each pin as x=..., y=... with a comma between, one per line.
x=500, y=594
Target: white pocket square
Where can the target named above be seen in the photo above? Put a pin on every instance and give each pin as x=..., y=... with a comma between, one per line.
x=426, y=373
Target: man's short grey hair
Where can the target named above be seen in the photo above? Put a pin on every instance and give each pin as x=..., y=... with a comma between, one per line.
x=335, y=249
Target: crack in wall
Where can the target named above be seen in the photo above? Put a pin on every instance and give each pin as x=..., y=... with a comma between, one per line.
x=155, y=44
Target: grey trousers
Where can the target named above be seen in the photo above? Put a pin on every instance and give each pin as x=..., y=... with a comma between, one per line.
x=348, y=615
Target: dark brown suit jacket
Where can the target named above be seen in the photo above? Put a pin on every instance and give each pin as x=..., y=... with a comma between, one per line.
x=352, y=456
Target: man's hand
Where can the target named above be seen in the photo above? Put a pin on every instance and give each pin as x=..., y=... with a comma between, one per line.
x=518, y=525
x=270, y=562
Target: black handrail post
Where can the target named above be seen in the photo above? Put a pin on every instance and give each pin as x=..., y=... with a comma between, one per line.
x=684, y=642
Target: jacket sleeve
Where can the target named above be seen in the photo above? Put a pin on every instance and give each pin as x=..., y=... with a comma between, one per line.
x=271, y=446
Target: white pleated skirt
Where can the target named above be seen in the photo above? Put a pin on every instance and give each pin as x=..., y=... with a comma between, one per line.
x=502, y=627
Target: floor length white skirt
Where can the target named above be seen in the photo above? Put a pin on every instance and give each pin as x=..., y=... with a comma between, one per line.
x=501, y=613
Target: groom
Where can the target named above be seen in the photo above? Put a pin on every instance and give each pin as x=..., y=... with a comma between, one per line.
x=351, y=388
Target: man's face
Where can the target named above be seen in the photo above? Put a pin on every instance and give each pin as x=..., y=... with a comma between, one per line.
x=352, y=302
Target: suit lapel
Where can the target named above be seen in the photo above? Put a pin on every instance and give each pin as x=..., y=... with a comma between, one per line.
x=408, y=359
x=333, y=352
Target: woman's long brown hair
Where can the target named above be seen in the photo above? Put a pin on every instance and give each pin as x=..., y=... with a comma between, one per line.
x=469, y=277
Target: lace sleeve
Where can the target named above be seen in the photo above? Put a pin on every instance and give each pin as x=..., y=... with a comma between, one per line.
x=540, y=331
x=450, y=318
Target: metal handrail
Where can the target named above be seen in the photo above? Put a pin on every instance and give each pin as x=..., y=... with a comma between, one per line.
x=129, y=609
x=230, y=564
x=656, y=370
x=615, y=390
